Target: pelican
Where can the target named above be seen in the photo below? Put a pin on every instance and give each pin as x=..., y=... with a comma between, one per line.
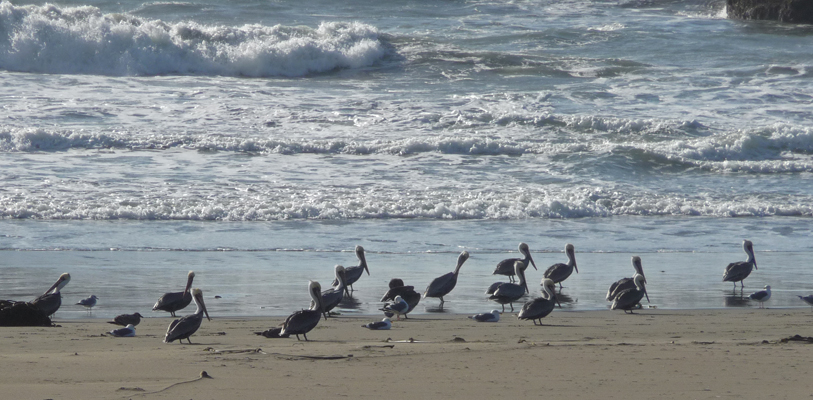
x=303, y=321
x=540, y=307
x=354, y=273
x=333, y=296
x=738, y=271
x=442, y=285
x=127, y=319
x=807, y=299
x=559, y=272
x=407, y=293
x=493, y=316
x=627, y=283
x=382, y=325
x=174, y=301
x=88, y=302
x=50, y=301
x=272, y=333
x=503, y=292
x=184, y=327
x=761, y=296
x=398, y=307
x=628, y=299
x=128, y=331
x=506, y=267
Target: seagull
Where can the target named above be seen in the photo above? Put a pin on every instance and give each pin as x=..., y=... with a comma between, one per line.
x=128, y=331
x=382, y=325
x=398, y=307
x=738, y=271
x=493, y=316
x=559, y=272
x=408, y=293
x=273, y=333
x=807, y=299
x=442, y=285
x=761, y=296
x=89, y=302
x=506, y=267
x=127, y=319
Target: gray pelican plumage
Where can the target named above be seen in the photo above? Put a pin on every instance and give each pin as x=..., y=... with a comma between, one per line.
x=506, y=267
x=559, y=272
x=628, y=299
x=442, y=285
x=738, y=271
x=397, y=307
x=382, y=325
x=303, y=321
x=506, y=292
x=807, y=299
x=627, y=283
x=761, y=296
x=174, y=301
x=88, y=302
x=184, y=327
x=354, y=273
x=408, y=293
x=128, y=331
x=493, y=316
x=50, y=301
x=540, y=307
x=127, y=319
x=333, y=296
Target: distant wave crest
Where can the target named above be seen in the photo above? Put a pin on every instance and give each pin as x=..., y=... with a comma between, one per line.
x=82, y=40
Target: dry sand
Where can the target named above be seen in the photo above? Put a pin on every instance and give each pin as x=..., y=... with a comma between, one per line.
x=692, y=354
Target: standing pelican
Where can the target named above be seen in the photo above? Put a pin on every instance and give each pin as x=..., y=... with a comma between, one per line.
x=807, y=299
x=127, y=319
x=407, y=293
x=184, y=327
x=506, y=267
x=354, y=273
x=738, y=271
x=333, y=296
x=627, y=283
x=559, y=272
x=50, y=301
x=761, y=296
x=503, y=292
x=174, y=301
x=540, y=307
x=442, y=285
x=303, y=321
x=629, y=298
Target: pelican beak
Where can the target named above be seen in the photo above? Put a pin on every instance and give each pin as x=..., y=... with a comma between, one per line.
x=576, y=267
x=203, y=306
x=755, y=264
x=532, y=262
x=526, y=287
x=646, y=294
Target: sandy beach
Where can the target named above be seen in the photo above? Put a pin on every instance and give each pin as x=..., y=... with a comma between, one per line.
x=688, y=354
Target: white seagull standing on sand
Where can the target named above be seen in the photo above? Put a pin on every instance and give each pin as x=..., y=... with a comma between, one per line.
x=761, y=296
x=128, y=331
x=382, y=325
x=398, y=307
x=493, y=316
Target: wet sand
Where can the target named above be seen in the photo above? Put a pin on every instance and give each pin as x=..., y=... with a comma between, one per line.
x=687, y=354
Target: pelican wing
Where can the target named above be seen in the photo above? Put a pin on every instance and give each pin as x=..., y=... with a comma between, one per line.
x=183, y=328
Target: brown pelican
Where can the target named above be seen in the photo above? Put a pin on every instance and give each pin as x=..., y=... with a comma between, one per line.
x=354, y=273
x=128, y=331
x=738, y=271
x=407, y=293
x=493, y=316
x=559, y=272
x=184, y=327
x=540, y=307
x=127, y=319
x=333, y=296
x=50, y=301
x=88, y=302
x=503, y=292
x=761, y=296
x=628, y=299
x=627, y=283
x=807, y=299
x=174, y=301
x=397, y=307
x=442, y=285
x=382, y=325
x=303, y=321
x=506, y=267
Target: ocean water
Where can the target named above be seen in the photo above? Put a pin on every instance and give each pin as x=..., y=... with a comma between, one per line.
x=257, y=143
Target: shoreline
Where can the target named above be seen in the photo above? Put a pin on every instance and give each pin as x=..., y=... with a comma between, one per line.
x=728, y=353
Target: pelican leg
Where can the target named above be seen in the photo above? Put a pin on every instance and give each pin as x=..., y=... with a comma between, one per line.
x=560, y=286
x=503, y=308
x=512, y=307
x=306, y=337
x=188, y=340
x=511, y=278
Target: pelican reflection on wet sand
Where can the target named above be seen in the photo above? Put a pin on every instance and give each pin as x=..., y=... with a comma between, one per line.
x=303, y=321
x=185, y=327
x=442, y=285
x=174, y=301
x=738, y=271
x=506, y=267
x=559, y=272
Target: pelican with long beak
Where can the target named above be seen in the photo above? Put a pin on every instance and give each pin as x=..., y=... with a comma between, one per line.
x=506, y=267
x=559, y=272
x=442, y=285
x=628, y=299
x=738, y=271
x=50, y=301
x=354, y=273
x=503, y=292
x=174, y=301
x=184, y=327
x=540, y=307
x=303, y=321
x=333, y=296
x=627, y=283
